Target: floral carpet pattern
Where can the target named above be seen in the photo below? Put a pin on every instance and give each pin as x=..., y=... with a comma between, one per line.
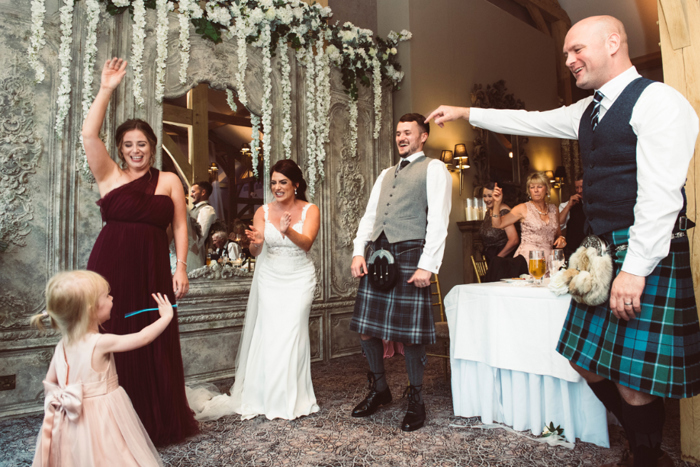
x=332, y=437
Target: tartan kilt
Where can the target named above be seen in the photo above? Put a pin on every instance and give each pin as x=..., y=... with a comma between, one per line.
x=657, y=352
x=402, y=314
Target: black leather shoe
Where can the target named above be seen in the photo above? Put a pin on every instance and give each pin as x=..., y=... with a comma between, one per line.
x=374, y=399
x=415, y=415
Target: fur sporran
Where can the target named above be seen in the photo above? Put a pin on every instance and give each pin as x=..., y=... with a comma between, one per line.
x=590, y=272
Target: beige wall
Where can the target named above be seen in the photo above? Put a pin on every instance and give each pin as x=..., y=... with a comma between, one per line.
x=455, y=44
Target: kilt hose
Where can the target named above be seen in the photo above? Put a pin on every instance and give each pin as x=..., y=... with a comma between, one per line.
x=657, y=352
x=402, y=314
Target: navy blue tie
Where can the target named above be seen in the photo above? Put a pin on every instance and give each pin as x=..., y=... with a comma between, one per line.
x=597, y=98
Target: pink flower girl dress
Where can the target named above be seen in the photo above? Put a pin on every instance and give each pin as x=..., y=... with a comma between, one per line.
x=89, y=419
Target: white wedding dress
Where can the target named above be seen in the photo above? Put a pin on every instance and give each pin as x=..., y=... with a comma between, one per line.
x=273, y=368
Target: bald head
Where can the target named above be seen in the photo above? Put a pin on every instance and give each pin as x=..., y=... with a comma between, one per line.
x=596, y=51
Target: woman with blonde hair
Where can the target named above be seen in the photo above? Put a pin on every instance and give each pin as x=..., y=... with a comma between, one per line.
x=539, y=220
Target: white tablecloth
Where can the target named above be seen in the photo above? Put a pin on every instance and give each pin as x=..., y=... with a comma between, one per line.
x=505, y=366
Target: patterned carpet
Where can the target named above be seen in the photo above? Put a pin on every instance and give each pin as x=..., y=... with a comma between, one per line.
x=332, y=438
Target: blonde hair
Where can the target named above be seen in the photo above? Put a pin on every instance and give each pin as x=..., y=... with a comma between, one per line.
x=537, y=177
x=71, y=302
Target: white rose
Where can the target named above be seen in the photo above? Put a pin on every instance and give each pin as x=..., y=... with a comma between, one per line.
x=394, y=51
x=558, y=285
x=270, y=14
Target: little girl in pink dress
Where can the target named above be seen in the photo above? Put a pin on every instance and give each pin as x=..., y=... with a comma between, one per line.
x=89, y=419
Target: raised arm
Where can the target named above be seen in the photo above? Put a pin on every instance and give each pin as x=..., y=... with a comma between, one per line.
x=513, y=239
x=102, y=166
x=516, y=214
x=306, y=238
x=447, y=113
x=109, y=343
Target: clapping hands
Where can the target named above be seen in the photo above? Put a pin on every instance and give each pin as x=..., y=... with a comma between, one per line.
x=285, y=220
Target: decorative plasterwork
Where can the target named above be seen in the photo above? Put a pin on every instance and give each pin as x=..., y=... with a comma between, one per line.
x=350, y=199
x=13, y=311
x=20, y=150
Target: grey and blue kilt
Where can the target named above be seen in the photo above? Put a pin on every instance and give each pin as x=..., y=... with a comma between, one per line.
x=402, y=314
x=657, y=352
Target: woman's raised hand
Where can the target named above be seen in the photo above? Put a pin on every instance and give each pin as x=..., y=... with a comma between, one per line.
x=497, y=194
x=113, y=72
x=285, y=220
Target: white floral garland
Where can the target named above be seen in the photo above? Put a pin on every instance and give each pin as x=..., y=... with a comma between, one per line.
x=231, y=101
x=64, y=58
x=242, y=51
x=307, y=58
x=377, y=82
x=36, y=40
x=322, y=106
x=137, y=46
x=187, y=10
x=265, y=38
x=255, y=135
x=93, y=17
x=282, y=49
x=353, y=127
x=162, y=9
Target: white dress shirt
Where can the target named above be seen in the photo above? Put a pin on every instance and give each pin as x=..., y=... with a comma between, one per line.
x=562, y=225
x=666, y=127
x=439, y=194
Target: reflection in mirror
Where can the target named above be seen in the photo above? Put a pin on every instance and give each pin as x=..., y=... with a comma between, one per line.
x=502, y=163
x=207, y=144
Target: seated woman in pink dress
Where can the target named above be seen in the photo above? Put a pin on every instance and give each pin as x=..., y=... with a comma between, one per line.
x=539, y=224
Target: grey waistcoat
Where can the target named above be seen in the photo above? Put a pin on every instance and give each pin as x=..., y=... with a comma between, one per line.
x=402, y=210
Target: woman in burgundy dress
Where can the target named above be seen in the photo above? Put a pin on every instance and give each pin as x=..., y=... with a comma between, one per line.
x=138, y=203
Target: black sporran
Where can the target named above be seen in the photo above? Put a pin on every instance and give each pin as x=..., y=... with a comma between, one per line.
x=383, y=270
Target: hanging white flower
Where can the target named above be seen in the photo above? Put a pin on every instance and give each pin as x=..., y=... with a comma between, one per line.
x=36, y=40
x=265, y=38
x=64, y=58
x=218, y=14
x=377, y=83
x=231, y=101
x=162, y=8
x=322, y=106
x=137, y=46
x=93, y=17
x=242, y=65
x=286, y=98
x=183, y=18
x=255, y=135
x=121, y=3
x=353, y=127
x=311, y=147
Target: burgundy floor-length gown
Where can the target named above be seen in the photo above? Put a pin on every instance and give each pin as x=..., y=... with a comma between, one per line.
x=131, y=252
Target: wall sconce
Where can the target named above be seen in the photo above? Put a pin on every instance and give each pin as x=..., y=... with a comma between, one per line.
x=213, y=172
x=446, y=156
x=462, y=160
x=560, y=175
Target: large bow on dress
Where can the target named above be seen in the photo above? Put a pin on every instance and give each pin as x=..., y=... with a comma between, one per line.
x=58, y=404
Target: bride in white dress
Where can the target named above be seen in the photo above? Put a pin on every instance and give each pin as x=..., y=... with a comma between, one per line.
x=273, y=365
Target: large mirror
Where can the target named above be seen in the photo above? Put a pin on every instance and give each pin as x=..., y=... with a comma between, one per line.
x=498, y=157
x=207, y=137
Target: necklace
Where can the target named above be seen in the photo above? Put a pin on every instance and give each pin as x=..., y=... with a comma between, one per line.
x=538, y=211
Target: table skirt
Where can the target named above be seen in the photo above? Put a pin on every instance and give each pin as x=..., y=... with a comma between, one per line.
x=526, y=401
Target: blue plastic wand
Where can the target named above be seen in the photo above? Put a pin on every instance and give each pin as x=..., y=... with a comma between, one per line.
x=128, y=315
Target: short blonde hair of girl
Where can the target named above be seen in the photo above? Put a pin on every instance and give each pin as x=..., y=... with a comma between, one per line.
x=537, y=178
x=71, y=302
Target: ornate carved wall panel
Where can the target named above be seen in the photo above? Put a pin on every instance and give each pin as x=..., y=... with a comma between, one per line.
x=49, y=220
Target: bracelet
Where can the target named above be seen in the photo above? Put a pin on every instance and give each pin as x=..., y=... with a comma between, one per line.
x=495, y=215
x=181, y=261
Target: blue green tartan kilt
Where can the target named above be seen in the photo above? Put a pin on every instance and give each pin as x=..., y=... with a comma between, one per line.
x=402, y=314
x=657, y=352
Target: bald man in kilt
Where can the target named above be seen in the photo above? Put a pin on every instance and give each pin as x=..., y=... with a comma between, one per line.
x=406, y=221
x=636, y=139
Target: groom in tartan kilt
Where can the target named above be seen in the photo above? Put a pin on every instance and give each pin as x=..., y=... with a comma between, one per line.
x=636, y=139
x=406, y=220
